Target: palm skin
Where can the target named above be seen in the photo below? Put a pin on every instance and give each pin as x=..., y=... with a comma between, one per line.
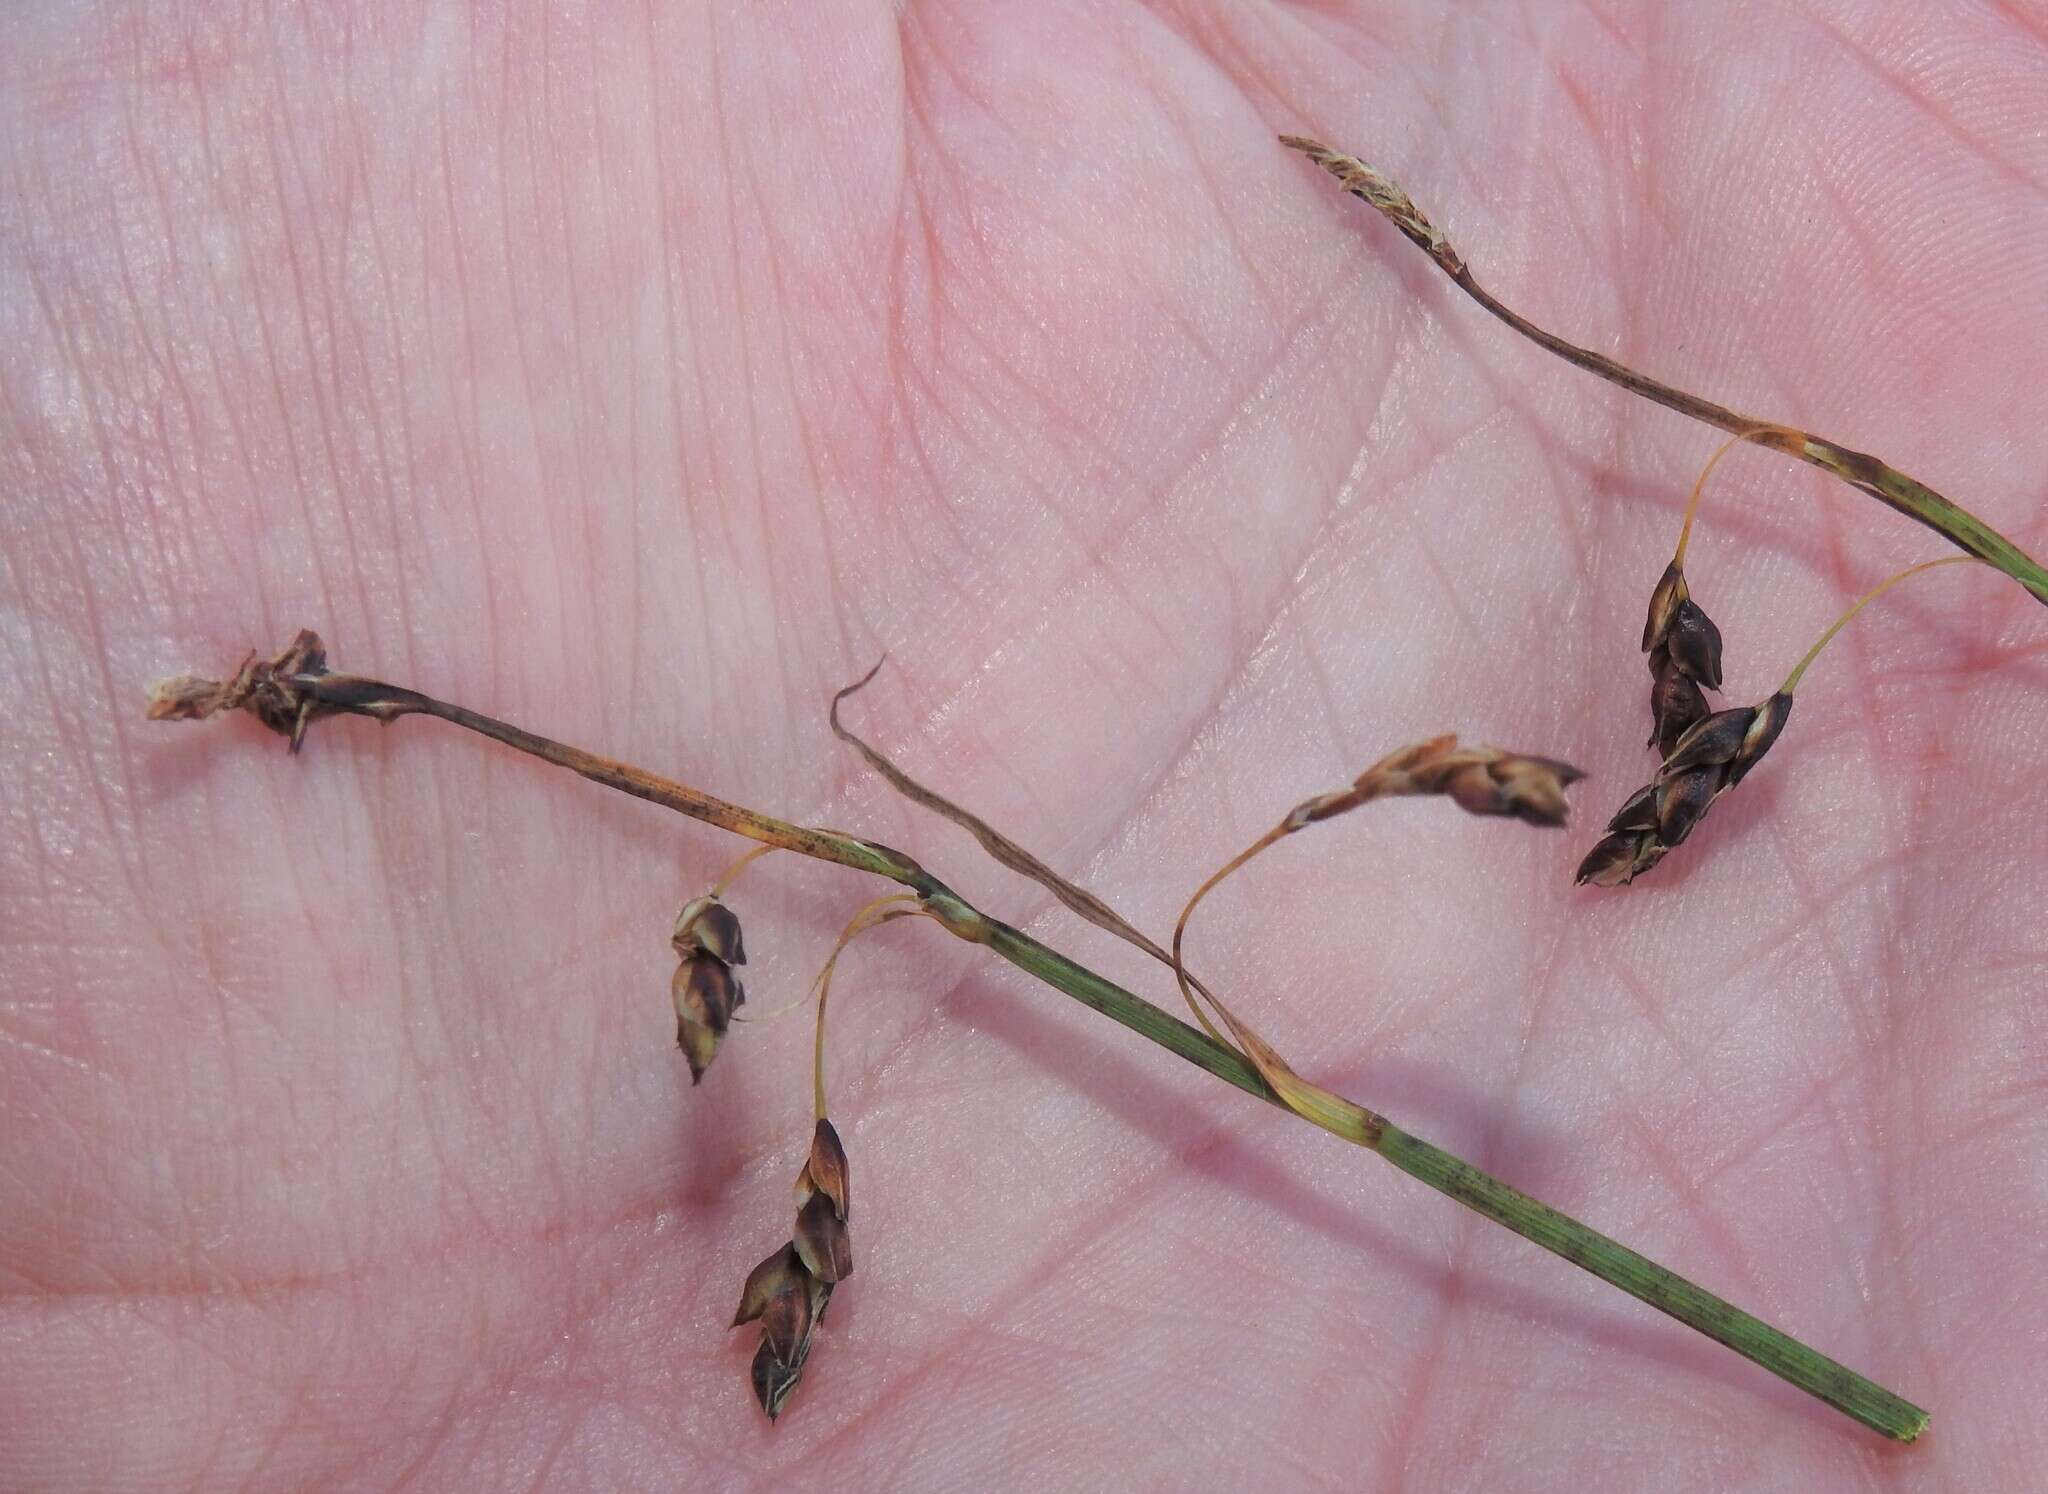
x=641, y=377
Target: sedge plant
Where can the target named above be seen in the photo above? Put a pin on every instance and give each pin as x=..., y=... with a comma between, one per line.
x=1703, y=753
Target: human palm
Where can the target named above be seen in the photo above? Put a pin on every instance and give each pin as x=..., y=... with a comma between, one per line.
x=643, y=377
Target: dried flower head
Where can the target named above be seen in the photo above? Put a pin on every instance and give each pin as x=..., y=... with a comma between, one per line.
x=1480, y=780
x=706, y=992
x=1685, y=656
x=264, y=688
x=1712, y=756
x=788, y=1292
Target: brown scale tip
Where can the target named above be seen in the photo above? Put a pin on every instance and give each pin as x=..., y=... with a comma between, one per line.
x=1771, y=717
x=1683, y=801
x=700, y=1046
x=1611, y=861
x=826, y=1171
x=708, y=926
x=1669, y=591
x=1639, y=813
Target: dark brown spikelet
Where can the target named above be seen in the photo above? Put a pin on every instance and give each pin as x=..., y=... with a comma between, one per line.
x=1711, y=757
x=788, y=1292
x=1685, y=657
x=706, y=992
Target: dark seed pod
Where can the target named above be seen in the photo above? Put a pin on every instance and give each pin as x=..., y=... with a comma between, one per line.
x=1639, y=813
x=708, y=926
x=1676, y=704
x=788, y=1292
x=1708, y=759
x=1685, y=656
x=706, y=993
x=779, y=1361
x=786, y=1320
x=1771, y=717
x=822, y=1241
x=1620, y=858
x=1670, y=591
x=1715, y=740
x=1683, y=799
x=1695, y=644
x=773, y=1379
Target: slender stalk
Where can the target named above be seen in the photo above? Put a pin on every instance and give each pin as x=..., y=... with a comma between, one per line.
x=878, y=911
x=1799, y=670
x=739, y=864
x=1859, y=469
x=1692, y=504
x=1665, y=1290
x=1842, y=1388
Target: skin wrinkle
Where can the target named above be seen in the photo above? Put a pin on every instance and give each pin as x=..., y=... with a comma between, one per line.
x=1175, y=762
x=408, y=628
x=323, y=417
x=743, y=323
x=391, y=774
x=991, y=1315
x=805, y=439
x=688, y=484
x=1094, y=557
x=470, y=379
x=1874, y=68
x=91, y=611
x=160, y=364
x=1454, y=1297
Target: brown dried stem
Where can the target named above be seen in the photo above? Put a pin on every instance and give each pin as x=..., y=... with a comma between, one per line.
x=1860, y=470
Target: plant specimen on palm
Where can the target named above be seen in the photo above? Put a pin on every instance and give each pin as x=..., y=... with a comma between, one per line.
x=1702, y=752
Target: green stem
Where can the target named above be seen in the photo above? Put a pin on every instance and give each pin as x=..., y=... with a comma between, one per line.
x=1614, y=1263
x=1559, y=1233
x=1665, y=1290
